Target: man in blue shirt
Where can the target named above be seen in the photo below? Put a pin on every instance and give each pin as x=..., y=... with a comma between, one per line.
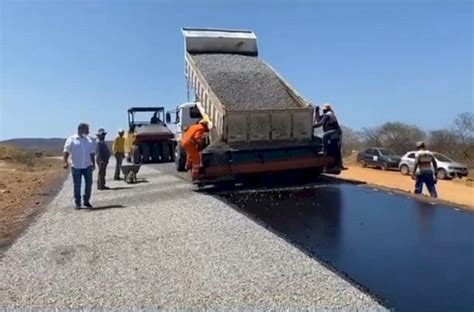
x=332, y=134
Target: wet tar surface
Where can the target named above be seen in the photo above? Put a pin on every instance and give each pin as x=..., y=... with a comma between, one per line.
x=414, y=255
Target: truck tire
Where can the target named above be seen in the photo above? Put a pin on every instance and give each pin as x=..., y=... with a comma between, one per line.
x=180, y=159
x=165, y=152
x=135, y=155
x=171, y=148
x=145, y=147
x=155, y=152
x=404, y=170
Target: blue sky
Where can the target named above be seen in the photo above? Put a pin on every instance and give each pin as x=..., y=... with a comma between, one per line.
x=63, y=62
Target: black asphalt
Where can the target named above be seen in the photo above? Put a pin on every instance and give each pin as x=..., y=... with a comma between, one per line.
x=414, y=255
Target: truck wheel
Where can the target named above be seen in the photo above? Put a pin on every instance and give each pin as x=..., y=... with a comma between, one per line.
x=145, y=153
x=363, y=163
x=180, y=159
x=404, y=170
x=155, y=152
x=172, y=153
x=441, y=174
x=384, y=166
x=165, y=152
x=136, y=155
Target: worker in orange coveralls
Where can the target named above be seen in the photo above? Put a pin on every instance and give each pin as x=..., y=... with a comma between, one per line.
x=193, y=143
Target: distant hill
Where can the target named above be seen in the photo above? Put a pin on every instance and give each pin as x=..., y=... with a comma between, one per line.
x=51, y=146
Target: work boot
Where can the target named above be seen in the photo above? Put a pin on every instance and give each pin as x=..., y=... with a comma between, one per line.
x=77, y=206
x=88, y=205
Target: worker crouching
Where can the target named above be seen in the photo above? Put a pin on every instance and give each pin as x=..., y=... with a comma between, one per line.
x=193, y=142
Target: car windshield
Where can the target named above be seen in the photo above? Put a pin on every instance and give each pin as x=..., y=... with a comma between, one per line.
x=387, y=152
x=442, y=157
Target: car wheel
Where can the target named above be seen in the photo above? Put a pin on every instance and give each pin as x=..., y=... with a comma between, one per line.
x=384, y=166
x=404, y=170
x=363, y=163
x=441, y=174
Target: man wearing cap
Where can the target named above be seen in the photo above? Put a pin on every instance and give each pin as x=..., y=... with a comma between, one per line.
x=332, y=133
x=102, y=158
x=118, y=149
x=79, y=151
x=193, y=142
x=425, y=170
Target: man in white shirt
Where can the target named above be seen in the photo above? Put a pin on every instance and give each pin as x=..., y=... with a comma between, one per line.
x=425, y=170
x=79, y=151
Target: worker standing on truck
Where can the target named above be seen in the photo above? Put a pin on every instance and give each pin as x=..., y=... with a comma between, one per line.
x=193, y=142
x=425, y=170
x=332, y=133
x=118, y=149
x=102, y=158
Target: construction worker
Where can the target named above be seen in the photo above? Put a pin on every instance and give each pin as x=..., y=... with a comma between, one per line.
x=102, y=158
x=154, y=119
x=425, y=170
x=332, y=133
x=193, y=143
x=118, y=149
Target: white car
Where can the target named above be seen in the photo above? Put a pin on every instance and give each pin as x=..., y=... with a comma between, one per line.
x=447, y=168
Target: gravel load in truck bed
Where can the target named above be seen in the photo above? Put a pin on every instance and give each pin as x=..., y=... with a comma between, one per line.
x=243, y=82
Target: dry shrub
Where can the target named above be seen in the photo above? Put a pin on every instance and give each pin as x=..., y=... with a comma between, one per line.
x=14, y=154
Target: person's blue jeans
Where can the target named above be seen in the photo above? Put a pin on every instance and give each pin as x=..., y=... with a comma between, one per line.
x=77, y=175
x=428, y=179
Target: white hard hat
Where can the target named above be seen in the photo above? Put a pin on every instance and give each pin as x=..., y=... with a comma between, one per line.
x=120, y=130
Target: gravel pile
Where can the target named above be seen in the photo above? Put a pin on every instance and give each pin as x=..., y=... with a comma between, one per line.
x=162, y=245
x=243, y=82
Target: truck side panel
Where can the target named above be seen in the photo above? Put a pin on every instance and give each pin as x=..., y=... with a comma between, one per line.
x=270, y=125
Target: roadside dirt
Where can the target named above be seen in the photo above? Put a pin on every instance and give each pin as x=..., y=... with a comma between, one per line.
x=24, y=190
x=456, y=191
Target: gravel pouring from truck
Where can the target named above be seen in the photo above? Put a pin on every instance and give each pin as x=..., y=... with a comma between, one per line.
x=259, y=123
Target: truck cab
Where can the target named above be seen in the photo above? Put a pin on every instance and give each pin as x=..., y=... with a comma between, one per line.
x=185, y=115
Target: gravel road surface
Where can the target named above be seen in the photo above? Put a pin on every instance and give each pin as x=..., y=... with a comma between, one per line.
x=243, y=82
x=160, y=244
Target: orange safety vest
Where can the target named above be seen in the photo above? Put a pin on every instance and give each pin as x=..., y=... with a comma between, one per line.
x=194, y=135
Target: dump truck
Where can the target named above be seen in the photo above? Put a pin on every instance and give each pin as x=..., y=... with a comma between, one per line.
x=259, y=123
x=149, y=140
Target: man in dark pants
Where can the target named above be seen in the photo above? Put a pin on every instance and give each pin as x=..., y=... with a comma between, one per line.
x=81, y=150
x=118, y=148
x=425, y=170
x=103, y=156
x=332, y=134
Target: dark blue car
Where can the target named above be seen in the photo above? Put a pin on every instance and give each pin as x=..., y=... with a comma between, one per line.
x=378, y=157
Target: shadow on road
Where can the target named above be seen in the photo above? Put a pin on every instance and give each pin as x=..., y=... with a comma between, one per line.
x=281, y=181
x=141, y=181
x=97, y=208
x=118, y=188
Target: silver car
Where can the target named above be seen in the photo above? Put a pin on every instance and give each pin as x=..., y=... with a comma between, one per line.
x=447, y=168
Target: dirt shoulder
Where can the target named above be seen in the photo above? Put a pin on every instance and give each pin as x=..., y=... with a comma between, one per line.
x=456, y=191
x=25, y=189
